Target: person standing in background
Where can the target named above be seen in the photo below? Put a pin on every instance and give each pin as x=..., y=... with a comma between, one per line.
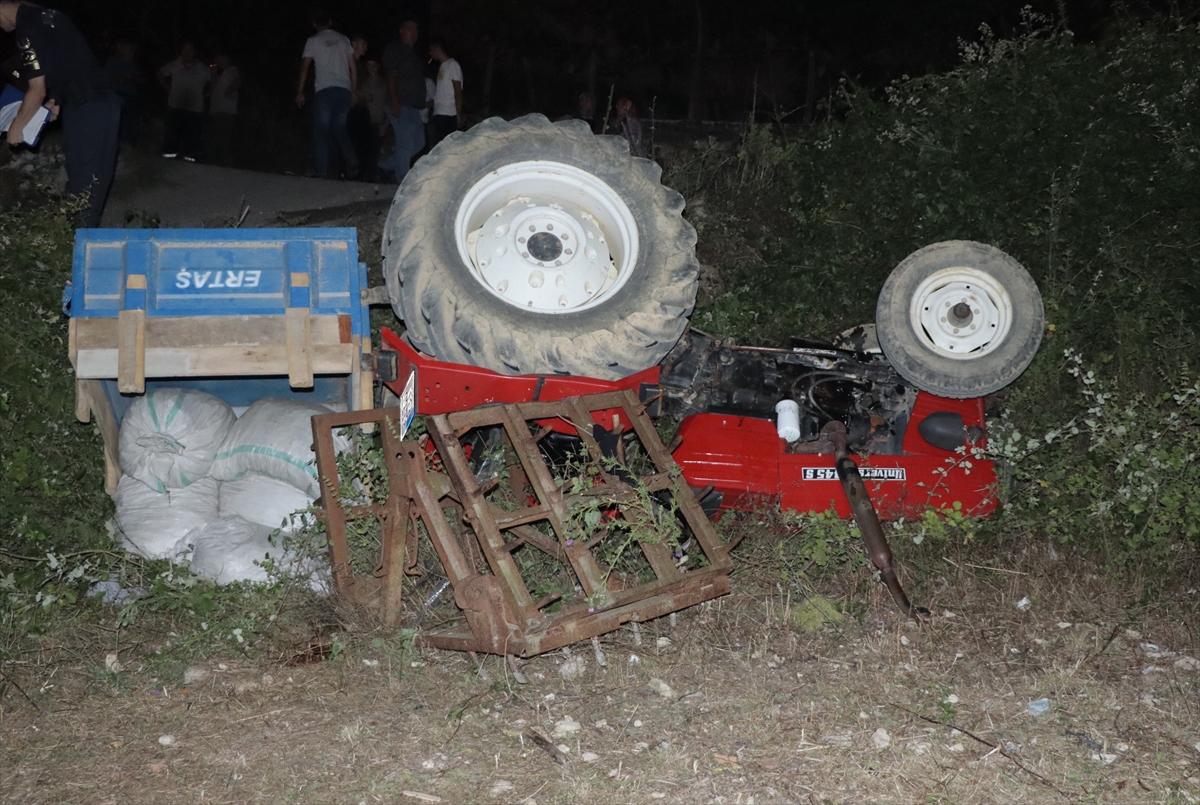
x=363, y=132
x=374, y=86
x=127, y=79
x=447, y=98
x=185, y=80
x=629, y=126
x=335, y=74
x=223, y=107
x=586, y=110
x=64, y=75
x=406, y=97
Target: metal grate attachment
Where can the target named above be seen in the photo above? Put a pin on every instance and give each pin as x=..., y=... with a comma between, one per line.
x=586, y=481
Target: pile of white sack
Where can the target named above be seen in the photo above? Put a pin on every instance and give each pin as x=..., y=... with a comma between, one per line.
x=218, y=492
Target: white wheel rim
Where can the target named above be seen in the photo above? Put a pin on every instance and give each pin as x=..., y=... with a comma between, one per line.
x=961, y=313
x=546, y=237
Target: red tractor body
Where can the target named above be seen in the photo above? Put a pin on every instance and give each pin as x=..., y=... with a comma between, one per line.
x=740, y=456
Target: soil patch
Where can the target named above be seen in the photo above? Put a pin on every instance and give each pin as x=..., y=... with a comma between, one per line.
x=1088, y=693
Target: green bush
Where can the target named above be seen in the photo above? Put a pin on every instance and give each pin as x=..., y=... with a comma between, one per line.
x=51, y=471
x=1080, y=161
x=1121, y=473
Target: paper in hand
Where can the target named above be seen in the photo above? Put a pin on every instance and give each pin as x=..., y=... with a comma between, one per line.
x=10, y=104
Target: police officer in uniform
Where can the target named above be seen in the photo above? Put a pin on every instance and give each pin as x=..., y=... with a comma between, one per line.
x=63, y=74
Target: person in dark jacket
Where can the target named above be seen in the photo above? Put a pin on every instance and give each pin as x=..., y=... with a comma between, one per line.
x=406, y=98
x=64, y=75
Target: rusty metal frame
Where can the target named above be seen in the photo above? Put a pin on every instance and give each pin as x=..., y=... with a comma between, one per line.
x=501, y=615
x=393, y=514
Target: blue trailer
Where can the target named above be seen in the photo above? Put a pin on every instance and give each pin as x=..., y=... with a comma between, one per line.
x=240, y=313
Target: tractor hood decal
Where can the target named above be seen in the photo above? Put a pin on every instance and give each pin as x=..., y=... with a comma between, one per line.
x=867, y=473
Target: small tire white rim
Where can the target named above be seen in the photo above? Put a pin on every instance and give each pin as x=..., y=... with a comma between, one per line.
x=546, y=237
x=961, y=313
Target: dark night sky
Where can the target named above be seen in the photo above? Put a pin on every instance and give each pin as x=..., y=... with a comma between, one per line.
x=543, y=53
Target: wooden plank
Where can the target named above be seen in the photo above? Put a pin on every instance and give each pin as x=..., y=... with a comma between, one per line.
x=206, y=331
x=366, y=391
x=218, y=361
x=89, y=396
x=131, y=351
x=299, y=347
x=354, y=397
x=214, y=345
x=72, y=347
x=83, y=408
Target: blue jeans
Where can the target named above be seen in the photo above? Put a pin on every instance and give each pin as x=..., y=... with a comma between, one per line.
x=410, y=139
x=329, y=109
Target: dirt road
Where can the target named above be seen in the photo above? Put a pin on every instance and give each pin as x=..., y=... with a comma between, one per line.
x=180, y=194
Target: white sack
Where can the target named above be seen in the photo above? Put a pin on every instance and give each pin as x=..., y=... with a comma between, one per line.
x=233, y=549
x=274, y=437
x=226, y=550
x=170, y=436
x=266, y=501
x=152, y=522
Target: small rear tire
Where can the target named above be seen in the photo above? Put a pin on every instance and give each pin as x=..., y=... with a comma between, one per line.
x=960, y=319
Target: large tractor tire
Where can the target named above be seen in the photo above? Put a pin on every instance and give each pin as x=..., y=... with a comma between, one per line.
x=531, y=247
x=959, y=319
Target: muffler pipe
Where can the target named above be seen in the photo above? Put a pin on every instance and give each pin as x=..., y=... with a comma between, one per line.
x=874, y=540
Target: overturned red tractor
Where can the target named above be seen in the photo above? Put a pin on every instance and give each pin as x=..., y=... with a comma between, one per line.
x=534, y=263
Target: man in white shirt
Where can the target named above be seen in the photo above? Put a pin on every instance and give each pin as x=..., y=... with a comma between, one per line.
x=335, y=75
x=184, y=79
x=447, y=97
